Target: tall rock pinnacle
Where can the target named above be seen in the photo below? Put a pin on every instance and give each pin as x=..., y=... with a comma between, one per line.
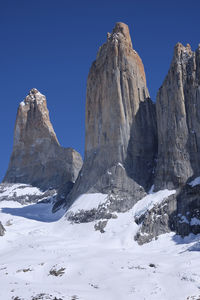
x=37, y=157
x=178, y=117
x=120, y=139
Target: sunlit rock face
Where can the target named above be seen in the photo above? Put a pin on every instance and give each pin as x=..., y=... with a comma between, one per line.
x=120, y=139
x=178, y=119
x=37, y=157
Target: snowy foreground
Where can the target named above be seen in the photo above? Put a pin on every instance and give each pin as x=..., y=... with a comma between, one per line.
x=43, y=256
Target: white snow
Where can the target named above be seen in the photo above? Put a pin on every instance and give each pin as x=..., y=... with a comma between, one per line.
x=120, y=165
x=109, y=266
x=22, y=103
x=18, y=190
x=150, y=200
x=194, y=182
x=88, y=202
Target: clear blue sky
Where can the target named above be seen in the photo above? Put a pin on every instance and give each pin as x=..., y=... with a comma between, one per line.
x=50, y=45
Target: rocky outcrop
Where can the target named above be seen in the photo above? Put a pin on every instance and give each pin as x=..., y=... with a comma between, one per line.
x=187, y=219
x=178, y=120
x=180, y=213
x=2, y=229
x=178, y=123
x=160, y=219
x=37, y=157
x=120, y=140
x=25, y=193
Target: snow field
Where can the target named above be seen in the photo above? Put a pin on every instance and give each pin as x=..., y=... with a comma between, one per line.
x=91, y=265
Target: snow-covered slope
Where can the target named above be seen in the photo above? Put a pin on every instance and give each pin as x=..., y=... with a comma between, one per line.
x=44, y=256
x=24, y=193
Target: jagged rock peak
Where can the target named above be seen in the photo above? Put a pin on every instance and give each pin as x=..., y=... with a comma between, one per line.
x=179, y=49
x=120, y=138
x=33, y=96
x=118, y=42
x=33, y=116
x=177, y=105
x=37, y=157
x=120, y=33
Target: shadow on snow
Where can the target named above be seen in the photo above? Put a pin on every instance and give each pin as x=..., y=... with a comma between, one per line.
x=188, y=240
x=39, y=212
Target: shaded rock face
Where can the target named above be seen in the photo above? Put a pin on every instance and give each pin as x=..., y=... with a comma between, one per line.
x=178, y=120
x=120, y=140
x=37, y=156
x=187, y=218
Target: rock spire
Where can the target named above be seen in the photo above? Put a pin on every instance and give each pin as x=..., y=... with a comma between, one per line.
x=37, y=157
x=120, y=139
x=178, y=118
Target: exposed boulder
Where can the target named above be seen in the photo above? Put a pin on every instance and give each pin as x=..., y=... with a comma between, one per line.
x=120, y=140
x=2, y=229
x=178, y=120
x=37, y=157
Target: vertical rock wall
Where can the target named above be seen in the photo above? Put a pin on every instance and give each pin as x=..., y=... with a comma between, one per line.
x=178, y=119
x=120, y=140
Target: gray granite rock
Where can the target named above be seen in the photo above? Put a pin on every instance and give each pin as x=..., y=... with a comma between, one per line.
x=187, y=218
x=158, y=220
x=178, y=120
x=2, y=229
x=179, y=213
x=120, y=141
x=37, y=157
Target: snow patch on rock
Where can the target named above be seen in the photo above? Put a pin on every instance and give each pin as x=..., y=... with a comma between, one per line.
x=18, y=190
x=88, y=202
x=149, y=201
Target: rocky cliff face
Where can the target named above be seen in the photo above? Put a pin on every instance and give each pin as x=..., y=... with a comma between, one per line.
x=178, y=119
x=37, y=156
x=120, y=140
x=127, y=141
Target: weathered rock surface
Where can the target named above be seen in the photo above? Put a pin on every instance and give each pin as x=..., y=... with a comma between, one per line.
x=120, y=141
x=37, y=157
x=2, y=229
x=187, y=218
x=158, y=220
x=178, y=120
x=179, y=213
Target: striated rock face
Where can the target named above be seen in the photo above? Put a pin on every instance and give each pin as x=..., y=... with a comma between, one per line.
x=37, y=156
x=178, y=120
x=120, y=140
